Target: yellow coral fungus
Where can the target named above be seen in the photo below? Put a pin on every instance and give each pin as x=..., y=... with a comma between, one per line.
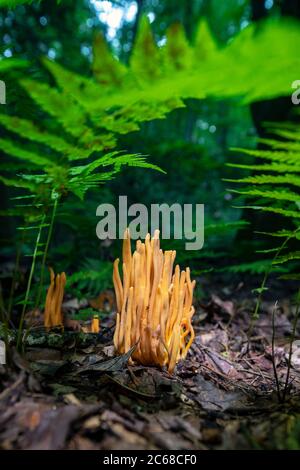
x=53, y=314
x=154, y=305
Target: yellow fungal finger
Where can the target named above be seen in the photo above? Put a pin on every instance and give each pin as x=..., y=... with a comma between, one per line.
x=117, y=285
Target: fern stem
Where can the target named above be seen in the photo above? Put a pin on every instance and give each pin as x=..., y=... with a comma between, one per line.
x=16, y=269
x=273, y=354
x=4, y=319
x=255, y=314
x=292, y=339
x=39, y=294
x=13, y=282
x=33, y=263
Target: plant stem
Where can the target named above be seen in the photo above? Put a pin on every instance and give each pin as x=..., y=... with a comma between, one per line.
x=39, y=294
x=4, y=319
x=273, y=353
x=254, y=315
x=34, y=256
x=13, y=282
x=292, y=339
x=16, y=268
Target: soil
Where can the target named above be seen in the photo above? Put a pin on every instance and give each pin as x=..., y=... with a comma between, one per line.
x=69, y=391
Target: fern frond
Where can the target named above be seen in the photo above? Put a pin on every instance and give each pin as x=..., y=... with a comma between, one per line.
x=84, y=179
x=292, y=179
x=107, y=70
x=225, y=226
x=275, y=167
x=104, y=160
x=279, y=144
x=28, y=130
x=146, y=61
x=135, y=160
x=80, y=90
x=205, y=44
x=93, y=111
x=94, y=276
x=10, y=64
x=289, y=134
x=30, y=157
x=288, y=158
x=282, y=195
x=295, y=255
x=254, y=267
x=13, y=3
x=178, y=54
x=58, y=105
x=274, y=210
x=290, y=277
x=282, y=234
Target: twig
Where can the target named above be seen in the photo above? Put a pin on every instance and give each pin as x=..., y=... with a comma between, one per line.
x=234, y=383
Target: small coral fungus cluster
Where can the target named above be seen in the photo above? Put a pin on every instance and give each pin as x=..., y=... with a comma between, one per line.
x=53, y=313
x=154, y=304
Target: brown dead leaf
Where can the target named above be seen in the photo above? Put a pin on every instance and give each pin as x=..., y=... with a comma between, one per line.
x=93, y=422
x=226, y=305
x=82, y=443
x=295, y=358
x=71, y=399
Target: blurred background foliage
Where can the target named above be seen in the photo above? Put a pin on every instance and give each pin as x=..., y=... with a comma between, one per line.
x=191, y=145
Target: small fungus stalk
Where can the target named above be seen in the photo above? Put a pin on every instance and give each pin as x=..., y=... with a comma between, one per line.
x=95, y=325
x=154, y=304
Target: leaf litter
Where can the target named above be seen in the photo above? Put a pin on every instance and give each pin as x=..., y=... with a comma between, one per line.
x=70, y=392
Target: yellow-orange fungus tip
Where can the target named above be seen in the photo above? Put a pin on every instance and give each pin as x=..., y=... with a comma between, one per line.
x=95, y=325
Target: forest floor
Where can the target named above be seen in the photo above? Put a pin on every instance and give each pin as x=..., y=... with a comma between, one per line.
x=70, y=392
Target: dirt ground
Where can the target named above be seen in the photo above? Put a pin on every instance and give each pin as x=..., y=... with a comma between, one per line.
x=71, y=392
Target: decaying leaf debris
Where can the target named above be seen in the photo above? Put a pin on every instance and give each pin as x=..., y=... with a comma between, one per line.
x=154, y=304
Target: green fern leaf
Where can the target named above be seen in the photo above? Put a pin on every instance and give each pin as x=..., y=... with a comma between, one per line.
x=275, y=167
x=274, y=210
x=30, y=157
x=17, y=183
x=295, y=255
x=107, y=69
x=58, y=105
x=285, y=157
x=10, y=64
x=292, y=179
x=282, y=195
x=178, y=53
x=279, y=144
x=145, y=62
x=29, y=130
x=205, y=44
x=255, y=267
x=282, y=234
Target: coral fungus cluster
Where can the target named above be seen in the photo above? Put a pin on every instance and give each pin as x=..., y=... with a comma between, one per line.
x=53, y=313
x=154, y=304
